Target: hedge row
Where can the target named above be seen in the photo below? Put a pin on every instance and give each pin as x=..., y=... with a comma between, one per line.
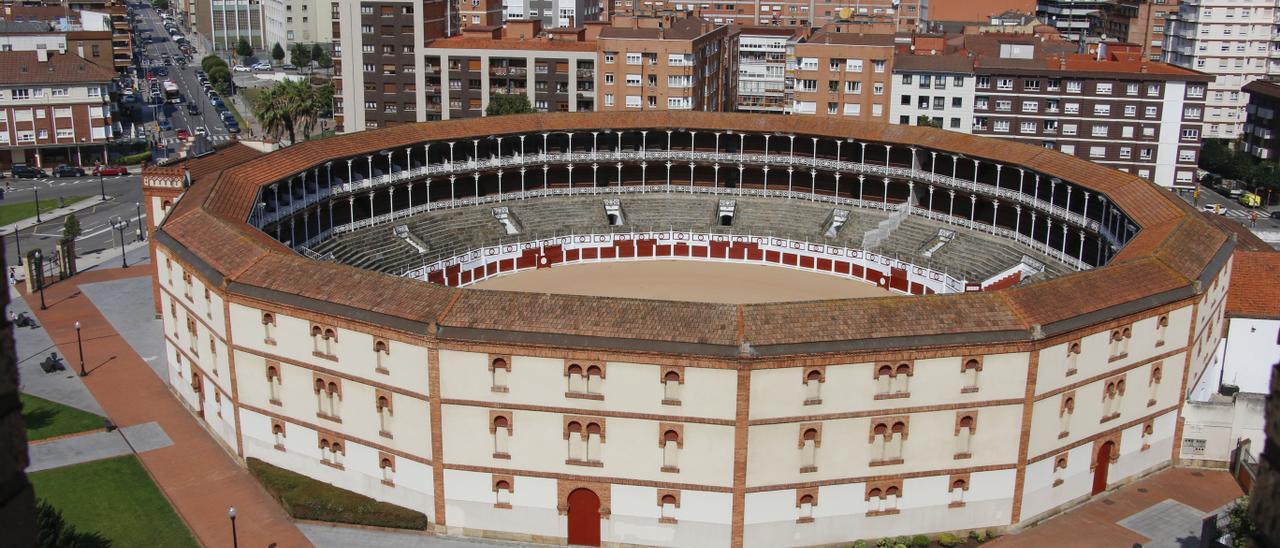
x=305, y=498
x=134, y=158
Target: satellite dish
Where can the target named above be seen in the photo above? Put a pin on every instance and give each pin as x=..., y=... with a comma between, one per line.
x=845, y=13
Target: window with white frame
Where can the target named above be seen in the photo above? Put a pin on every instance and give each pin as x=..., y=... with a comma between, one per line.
x=1097, y=152
x=1001, y=126
x=1027, y=127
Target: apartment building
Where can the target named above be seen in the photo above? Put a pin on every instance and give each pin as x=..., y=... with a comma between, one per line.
x=676, y=63
x=933, y=89
x=480, y=13
x=846, y=75
x=551, y=13
x=103, y=37
x=898, y=15
x=54, y=108
x=554, y=69
x=764, y=83
x=1140, y=22
x=1261, y=136
x=1114, y=107
x=1231, y=40
x=376, y=59
x=1076, y=20
x=288, y=22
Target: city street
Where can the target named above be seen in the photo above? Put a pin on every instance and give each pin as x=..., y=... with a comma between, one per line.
x=1234, y=210
x=124, y=195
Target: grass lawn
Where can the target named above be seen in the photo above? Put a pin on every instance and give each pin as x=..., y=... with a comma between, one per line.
x=115, y=498
x=46, y=419
x=305, y=498
x=11, y=213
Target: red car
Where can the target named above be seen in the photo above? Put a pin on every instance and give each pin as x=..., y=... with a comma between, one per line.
x=110, y=170
x=183, y=134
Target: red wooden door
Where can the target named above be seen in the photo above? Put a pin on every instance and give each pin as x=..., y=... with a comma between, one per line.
x=584, y=518
x=1100, y=468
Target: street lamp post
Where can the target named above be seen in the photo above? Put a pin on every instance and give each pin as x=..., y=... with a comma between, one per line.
x=80, y=347
x=137, y=206
x=102, y=186
x=39, y=268
x=36, y=190
x=17, y=240
x=120, y=224
x=235, y=542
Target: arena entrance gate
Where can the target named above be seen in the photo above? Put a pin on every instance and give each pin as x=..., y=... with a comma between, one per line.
x=1100, y=467
x=584, y=518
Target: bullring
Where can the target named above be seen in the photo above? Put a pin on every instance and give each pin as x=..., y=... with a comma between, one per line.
x=1050, y=313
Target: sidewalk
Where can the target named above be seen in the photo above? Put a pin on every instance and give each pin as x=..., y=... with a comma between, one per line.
x=138, y=438
x=1141, y=506
x=195, y=473
x=53, y=214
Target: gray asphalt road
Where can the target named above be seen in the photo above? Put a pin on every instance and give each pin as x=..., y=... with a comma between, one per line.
x=1234, y=210
x=124, y=194
x=188, y=86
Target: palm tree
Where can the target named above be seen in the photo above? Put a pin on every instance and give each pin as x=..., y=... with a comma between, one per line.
x=290, y=106
x=272, y=109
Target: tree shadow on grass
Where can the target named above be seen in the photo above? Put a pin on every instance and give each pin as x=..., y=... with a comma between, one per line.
x=36, y=419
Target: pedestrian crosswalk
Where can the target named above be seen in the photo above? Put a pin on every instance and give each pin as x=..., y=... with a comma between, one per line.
x=212, y=138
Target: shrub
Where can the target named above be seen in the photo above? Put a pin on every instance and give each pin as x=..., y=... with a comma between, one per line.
x=919, y=541
x=903, y=540
x=900, y=545
x=884, y=543
x=305, y=498
x=134, y=158
x=989, y=535
x=947, y=540
x=860, y=544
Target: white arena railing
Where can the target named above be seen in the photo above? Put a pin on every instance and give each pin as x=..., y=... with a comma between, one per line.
x=498, y=260
x=1043, y=246
x=469, y=168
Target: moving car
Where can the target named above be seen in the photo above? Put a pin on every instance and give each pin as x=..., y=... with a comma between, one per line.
x=233, y=127
x=1249, y=199
x=1214, y=209
x=110, y=170
x=192, y=109
x=200, y=130
x=183, y=134
x=65, y=170
x=241, y=68
x=262, y=66
x=289, y=67
x=165, y=125
x=24, y=171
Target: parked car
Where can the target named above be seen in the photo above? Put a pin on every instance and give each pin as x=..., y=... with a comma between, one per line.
x=241, y=68
x=24, y=171
x=200, y=130
x=65, y=170
x=183, y=134
x=262, y=66
x=288, y=66
x=110, y=170
x=165, y=125
x=233, y=127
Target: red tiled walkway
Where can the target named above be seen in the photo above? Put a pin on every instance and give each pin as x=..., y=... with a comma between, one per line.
x=197, y=475
x=1094, y=524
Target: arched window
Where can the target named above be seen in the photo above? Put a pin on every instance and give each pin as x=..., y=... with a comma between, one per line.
x=671, y=444
x=577, y=441
x=809, y=450
x=958, y=487
x=1064, y=415
x=1148, y=430
x=277, y=434
x=317, y=339
x=330, y=337
x=1153, y=384
x=577, y=379
x=901, y=377
x=805, y=504
x=1117, y=338
x=813, y=387
x=671, y=388
x=891, y=496
x=388, y=471
x=1073, y=357
x=875, y=500
x=384, y=415
x=1162, y=327
x=884, y=379
x=501, y=428
x=893, y=446
x=964, y=437
x=500, y=369
x=502, y=494
x=879, y=441
x=337, y=453
x=273, y=384
x=970, y=373
x=595, y=437
x=595, y=379
x=1059, y=470
x=268, y=325
x=381, y=353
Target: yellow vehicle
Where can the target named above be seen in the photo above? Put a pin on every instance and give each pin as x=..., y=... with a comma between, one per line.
x=1250, y=199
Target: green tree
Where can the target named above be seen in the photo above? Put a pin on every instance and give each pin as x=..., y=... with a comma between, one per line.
x=317, y=51
x=324, y=61
x=70, y=228
x=928, y=121
x=277, y=52
x=211, y=61
x=300, y=55
x=1214, y=156
x=1240, y=525
x=162, y=5
x=508, y=103
x=290, y=107
x=53, y=531
x=220, y=78
x=244, y=50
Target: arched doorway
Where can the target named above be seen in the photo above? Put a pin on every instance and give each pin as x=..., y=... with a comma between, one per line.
x=1100, y=467
x=584, y=518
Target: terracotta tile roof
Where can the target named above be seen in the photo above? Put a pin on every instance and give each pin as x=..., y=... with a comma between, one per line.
x=594, y=317
x=977, y=10
x=1245, y=238
x=463, y=42
x=23, y=67
x=1172, y=248
x=1254, y=291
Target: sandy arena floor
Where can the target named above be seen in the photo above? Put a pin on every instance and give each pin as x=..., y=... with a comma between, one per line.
x=685, y=281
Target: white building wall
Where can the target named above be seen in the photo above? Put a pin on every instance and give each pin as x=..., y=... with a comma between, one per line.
x=958, y=119
x=1171, y=113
